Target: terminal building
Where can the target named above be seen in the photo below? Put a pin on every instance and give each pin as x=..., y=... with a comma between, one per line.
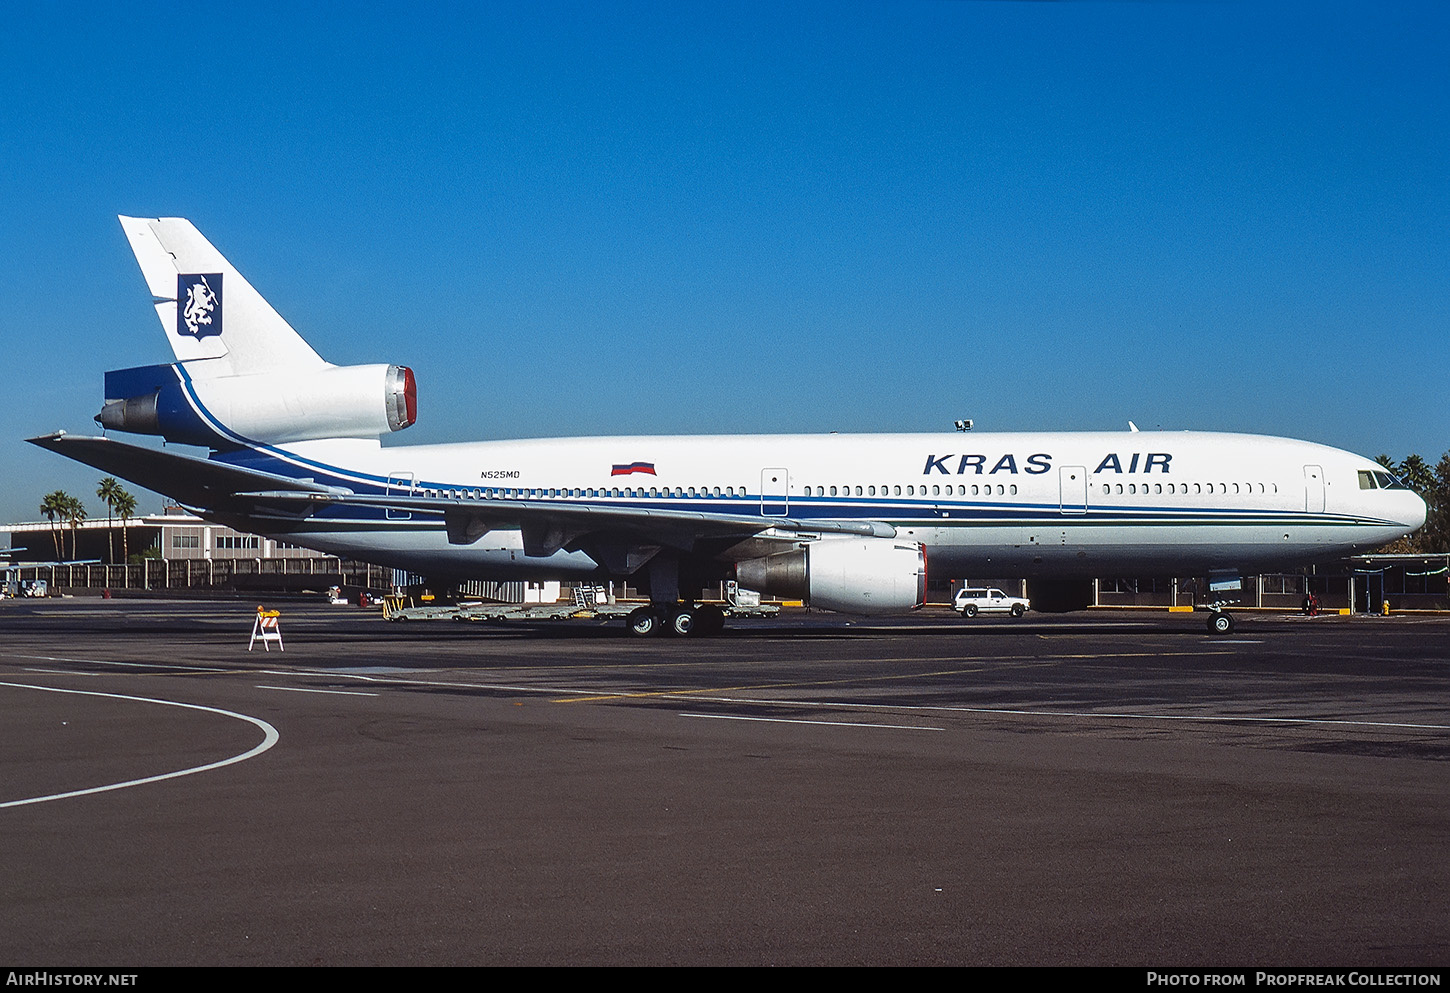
x=173, y=550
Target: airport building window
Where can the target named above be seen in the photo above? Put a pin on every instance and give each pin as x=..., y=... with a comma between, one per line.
x=236, y=541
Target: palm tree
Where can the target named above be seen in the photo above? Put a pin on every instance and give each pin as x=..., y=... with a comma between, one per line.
x=75, y=513
x=52, y=506
x=125, y=508
x=108, y=491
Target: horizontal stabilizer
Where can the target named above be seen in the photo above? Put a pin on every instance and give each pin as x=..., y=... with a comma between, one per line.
x=192, y=481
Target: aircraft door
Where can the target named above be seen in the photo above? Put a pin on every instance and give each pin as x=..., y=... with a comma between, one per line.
x=774, y=492
x=1313, y=489
x=399, y=484
x=1072, y=489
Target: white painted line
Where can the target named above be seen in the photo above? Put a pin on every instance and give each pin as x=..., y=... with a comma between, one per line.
x=300, y=689
x=837, y=724
x=59, y=672
x=135, y=665
x=269, y=738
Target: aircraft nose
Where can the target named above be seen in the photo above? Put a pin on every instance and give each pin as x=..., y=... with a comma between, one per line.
x=1418, y=512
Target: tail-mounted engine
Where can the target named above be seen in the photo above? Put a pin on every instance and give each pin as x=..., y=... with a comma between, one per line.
x=359, y=401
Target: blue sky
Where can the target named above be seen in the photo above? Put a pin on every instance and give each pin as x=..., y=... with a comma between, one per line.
x=754, y=217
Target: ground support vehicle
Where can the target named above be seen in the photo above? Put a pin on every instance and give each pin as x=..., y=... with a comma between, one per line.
x=589, y=604
x=971, y=601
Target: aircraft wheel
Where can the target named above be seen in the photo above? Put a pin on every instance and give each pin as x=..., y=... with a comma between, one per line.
x=970, y=610
x=1220, y=622
x=643, y=622
x=684, y=622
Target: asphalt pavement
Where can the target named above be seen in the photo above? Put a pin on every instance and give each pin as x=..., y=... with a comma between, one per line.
x=1098, y=789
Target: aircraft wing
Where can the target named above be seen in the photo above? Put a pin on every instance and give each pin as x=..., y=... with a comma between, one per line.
x=547, y=525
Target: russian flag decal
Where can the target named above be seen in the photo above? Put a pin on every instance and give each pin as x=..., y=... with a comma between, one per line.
x=648, y=468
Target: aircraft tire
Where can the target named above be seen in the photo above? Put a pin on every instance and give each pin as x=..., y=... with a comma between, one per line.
x=644, y=622
x=684, y=622
x=1220, y=622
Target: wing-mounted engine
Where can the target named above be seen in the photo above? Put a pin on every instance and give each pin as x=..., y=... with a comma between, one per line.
x=272, y=407
x=852, y=575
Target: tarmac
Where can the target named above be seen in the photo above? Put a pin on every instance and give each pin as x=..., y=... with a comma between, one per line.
x=1097, y=789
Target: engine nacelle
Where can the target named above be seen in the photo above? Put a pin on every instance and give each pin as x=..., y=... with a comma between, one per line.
x=852, y=575
x=359, y=401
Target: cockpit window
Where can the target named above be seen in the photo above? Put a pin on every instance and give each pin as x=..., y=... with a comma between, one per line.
x=1379, y=481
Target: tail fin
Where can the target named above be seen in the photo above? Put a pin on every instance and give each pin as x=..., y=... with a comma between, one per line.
x=207, y=310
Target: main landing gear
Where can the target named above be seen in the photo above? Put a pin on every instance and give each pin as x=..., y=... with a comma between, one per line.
x=684, y=620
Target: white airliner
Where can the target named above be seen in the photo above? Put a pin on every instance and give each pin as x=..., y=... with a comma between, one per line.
x=845, y=522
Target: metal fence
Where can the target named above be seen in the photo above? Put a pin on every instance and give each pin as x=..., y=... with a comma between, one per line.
x=208, y=574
